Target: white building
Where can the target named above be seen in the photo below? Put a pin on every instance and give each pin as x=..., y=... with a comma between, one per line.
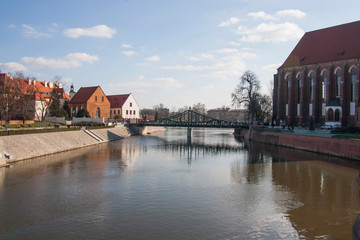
x=124, y=105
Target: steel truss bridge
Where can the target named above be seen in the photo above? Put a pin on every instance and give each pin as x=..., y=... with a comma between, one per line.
x=191, y=119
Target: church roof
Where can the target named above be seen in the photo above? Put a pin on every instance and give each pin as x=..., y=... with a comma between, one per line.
x=325, y=45
x=83, y=95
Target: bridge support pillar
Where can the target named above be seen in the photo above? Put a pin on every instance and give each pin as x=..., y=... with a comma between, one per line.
x=189, y=132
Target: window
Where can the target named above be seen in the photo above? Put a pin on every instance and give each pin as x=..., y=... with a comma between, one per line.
x=95, y=98
x=102, y=98
x=337, y=115
x=338, y=83
x=299, y=88
x=311, y=87
x=98, y=112
x=127, y=112
x=330, y=115
x=323, y=86
x=287, y=90
x=134, y=112
x=353, y=82
x=130, y=112
x=119, y=112
x=130, y=104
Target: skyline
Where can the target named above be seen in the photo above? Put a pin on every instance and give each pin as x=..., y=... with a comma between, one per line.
x=176, y=53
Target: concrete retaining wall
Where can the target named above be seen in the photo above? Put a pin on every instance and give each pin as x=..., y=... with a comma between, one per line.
x=21, y=147
x=149, y=130
x=2, y=156
x=332, y=146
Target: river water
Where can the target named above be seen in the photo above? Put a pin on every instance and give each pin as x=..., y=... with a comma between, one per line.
x=162, y=187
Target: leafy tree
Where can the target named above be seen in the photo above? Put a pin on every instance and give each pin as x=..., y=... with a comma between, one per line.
x=82, y=113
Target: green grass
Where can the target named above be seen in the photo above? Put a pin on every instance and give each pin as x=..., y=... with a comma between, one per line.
x=347, y=135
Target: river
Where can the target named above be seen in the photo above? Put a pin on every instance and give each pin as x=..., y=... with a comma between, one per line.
x=163, y=187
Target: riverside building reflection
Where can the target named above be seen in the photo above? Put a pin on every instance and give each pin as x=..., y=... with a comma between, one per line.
x=159, y=187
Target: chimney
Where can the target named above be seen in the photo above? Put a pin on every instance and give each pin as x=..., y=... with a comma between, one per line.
x=45, y=83
x=34, y=82
x=60, y=85
x=51, y=84
x=29, y=82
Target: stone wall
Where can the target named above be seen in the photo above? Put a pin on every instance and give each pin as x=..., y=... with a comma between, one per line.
x=21, y=147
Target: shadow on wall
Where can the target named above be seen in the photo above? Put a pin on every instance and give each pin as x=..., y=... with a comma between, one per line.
x=113, y=136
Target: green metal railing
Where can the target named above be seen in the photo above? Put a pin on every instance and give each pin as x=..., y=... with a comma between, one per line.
x=191, y=118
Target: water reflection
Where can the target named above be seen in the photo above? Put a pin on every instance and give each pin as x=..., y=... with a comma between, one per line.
x=160, y=187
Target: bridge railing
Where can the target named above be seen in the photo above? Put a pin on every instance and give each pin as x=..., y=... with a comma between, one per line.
x=191, y=118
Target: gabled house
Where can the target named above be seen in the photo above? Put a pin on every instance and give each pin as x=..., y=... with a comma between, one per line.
x=319, y=81
x=124, y=105
x=30, y=98
x=93, y=99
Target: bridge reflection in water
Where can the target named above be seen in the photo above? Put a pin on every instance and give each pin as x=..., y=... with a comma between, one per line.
x=162, y=188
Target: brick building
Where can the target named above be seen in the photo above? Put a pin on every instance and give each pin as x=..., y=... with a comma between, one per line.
x=93, y=100
x=319, y=80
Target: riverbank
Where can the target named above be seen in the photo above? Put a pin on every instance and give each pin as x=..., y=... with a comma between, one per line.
x=21, y=147
x=345, y=148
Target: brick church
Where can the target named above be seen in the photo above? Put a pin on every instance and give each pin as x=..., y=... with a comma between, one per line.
x=319, y=81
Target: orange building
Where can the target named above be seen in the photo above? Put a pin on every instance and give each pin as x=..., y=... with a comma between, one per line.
x=93, y=99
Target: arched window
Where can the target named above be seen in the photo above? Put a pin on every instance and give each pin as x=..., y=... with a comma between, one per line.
x=338, y=82
x=311, y=86
x=330, y=115
x=323, y=85
x=353, y=82
x=287, y=90
x=337, y=115
x=98, y=112
x=298, y=77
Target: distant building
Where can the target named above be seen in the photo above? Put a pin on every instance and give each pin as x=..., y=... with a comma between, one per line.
x=93, y=99
x=33, y=97
x=319, y=80
x=227, y=114
x=124, y=105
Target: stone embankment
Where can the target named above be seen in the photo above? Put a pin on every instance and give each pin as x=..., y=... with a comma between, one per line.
x=20, y=147
x=345, y=148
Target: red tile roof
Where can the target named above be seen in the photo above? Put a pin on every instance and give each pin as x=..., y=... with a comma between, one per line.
x=325, y=45
x=117, y=101
x=83, y=95
x=40, y=91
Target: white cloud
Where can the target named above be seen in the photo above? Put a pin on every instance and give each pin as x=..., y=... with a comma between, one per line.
x=272, y=67
x=126, y=46
x=226, y=50
x=141, y=77
x=30, y=31
x=153, y=58
x=99, y=31
x=261, y=15
x=12, y=67
x=291, y=13
x=185, y=67
x=165, y=83
x=128, y=53
x=272, y=32
x=11, y=26
x=155, y=83
x=231, y=21
x=72, y=60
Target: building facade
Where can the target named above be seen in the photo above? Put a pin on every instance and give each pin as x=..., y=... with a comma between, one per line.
x=124, y=105
x=319, y=81
x=28, y=99
x=227, y=114
x=93, y=100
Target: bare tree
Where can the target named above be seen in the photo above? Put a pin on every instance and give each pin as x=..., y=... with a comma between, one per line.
x=199, y=108
x=247, y=93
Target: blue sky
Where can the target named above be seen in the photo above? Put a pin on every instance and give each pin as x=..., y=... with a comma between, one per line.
x=172, y=52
